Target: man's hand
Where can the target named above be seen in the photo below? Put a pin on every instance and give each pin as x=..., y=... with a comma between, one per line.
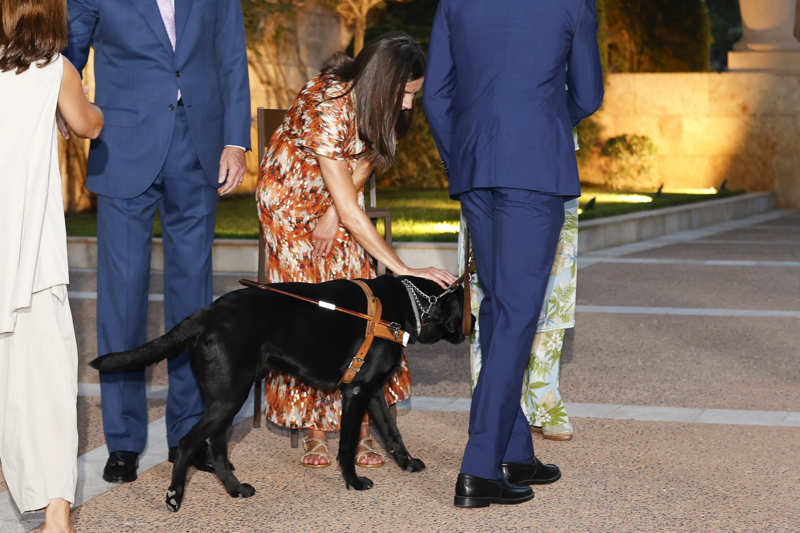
x=323, y=235
x=232, y=167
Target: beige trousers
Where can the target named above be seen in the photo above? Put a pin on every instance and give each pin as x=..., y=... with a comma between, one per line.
x=38, y=396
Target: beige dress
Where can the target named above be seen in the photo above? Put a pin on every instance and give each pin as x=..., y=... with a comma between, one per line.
x=38, y=353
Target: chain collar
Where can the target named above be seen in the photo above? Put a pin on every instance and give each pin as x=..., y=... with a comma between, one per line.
x=417, y=296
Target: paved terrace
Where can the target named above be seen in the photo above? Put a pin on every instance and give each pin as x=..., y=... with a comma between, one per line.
x=682, y=378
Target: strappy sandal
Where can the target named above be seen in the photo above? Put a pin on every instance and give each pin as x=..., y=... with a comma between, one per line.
x=318, y=447
x=368, y=446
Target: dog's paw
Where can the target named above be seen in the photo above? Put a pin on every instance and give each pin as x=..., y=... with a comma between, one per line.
x=173, y=500
x=415, y=465
x=243, y=491
x=359, y=483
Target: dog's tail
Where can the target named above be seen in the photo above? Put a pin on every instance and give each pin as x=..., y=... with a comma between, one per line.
x=168, y=345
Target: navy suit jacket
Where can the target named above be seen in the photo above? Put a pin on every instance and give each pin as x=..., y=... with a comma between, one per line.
x=506, y=82
x=137, y=78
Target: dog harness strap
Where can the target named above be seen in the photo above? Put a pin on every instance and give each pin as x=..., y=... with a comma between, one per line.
x=383, y=329
x=374, y=309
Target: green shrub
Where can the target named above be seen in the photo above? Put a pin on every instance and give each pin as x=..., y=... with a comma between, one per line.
x=588, y=138
x=627, y=162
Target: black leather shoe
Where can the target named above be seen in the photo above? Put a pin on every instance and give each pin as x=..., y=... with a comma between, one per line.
x=536, y=473
x=474, y=491
x=121, y=467
x=203, y=459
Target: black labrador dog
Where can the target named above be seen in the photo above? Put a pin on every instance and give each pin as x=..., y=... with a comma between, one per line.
x=246, y=332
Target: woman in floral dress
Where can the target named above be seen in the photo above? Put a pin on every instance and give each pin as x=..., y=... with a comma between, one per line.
x=342, y=124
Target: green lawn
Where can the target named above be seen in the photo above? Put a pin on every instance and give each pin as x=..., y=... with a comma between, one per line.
x=419, y=215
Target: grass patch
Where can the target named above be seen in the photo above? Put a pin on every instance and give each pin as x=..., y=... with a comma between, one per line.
x=417, y=215
x=606, y=206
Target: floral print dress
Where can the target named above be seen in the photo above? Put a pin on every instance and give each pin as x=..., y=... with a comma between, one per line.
x=291, y=197
x=541, y=400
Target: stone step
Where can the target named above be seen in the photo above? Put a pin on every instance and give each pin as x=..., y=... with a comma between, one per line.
x=241, y=255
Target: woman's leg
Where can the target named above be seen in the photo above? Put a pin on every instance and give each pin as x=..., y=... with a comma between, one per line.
x=541, y=398
x=38, y=392
x=56, y=517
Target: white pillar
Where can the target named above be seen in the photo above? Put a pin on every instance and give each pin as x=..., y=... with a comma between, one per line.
x=768, y=41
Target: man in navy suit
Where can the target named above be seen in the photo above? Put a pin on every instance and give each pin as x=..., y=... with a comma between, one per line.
x=507, y=81
x=171, y=78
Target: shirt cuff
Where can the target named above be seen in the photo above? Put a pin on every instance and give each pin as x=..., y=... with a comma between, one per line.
x=242, y=148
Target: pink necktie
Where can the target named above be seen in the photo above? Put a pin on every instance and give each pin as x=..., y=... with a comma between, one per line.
x=167, y=9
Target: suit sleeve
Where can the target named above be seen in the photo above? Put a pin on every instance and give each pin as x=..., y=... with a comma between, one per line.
x=83, y=15
x=585, y=72
x=437, y=99
x=233, y=73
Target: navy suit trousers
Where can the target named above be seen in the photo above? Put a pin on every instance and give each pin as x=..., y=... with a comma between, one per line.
x=187, y=207
x=514, y=235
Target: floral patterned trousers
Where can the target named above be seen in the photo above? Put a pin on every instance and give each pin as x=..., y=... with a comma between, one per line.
x=540, y=399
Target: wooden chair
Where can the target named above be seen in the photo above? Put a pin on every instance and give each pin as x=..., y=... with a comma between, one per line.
x=268, y=121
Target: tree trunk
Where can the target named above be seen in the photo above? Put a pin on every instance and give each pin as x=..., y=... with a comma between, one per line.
x=358, y=35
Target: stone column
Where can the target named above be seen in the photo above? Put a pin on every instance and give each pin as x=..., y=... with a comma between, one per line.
x=769, y=44
x=768, y=37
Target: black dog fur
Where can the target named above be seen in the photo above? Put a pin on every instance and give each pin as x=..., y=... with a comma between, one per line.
x=246, y=332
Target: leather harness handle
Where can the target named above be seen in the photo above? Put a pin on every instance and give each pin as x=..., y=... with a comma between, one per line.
x=375, y=326
x=374, y=310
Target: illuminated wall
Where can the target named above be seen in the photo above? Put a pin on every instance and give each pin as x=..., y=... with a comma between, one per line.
x=708, y=127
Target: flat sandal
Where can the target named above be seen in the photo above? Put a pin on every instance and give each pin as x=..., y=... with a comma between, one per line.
x=318, y=447
x=368, y=449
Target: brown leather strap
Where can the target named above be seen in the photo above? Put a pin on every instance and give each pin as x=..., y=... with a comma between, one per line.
x=383, y=329
x=374, y=309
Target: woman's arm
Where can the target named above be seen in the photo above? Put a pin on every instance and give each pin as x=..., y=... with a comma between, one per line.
x=341, y=186
x=362, y=173
x=328, y=224
x=85, y=119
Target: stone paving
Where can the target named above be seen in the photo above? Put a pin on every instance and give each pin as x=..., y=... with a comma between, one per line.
x=683, y=381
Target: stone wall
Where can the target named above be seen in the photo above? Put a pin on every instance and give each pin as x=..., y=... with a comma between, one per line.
x=709, y=127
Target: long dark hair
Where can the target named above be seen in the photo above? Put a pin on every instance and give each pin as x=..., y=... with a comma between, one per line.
x=379, y=74
x=31, y=31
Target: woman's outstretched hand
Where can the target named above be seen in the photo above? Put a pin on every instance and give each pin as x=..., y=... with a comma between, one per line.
x=442, y=277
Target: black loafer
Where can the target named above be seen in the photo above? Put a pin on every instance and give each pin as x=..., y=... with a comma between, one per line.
x=203, y=459
x=473, y=491
x=121, y=467
x=535, y=473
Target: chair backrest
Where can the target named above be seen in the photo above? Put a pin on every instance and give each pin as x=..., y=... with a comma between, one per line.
x=267, y=121
x=373, y=200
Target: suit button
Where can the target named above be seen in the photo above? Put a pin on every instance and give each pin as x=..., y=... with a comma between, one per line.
x=172, y=107
x=177, y=73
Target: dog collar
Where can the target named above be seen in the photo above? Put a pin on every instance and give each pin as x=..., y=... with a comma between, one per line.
x=412, y=290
